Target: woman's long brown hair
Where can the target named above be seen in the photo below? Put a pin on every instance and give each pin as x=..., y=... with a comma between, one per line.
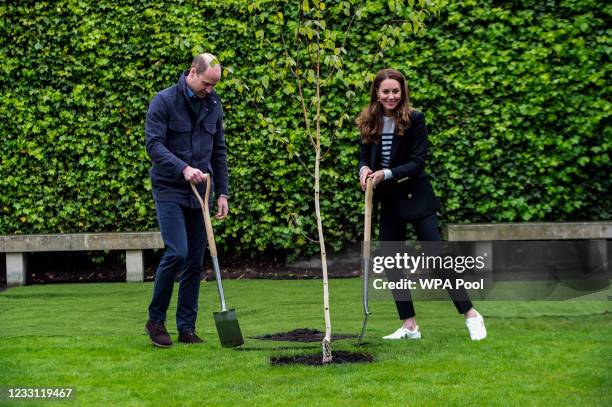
x=370, y=120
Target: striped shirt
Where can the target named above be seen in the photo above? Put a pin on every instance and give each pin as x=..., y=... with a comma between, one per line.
x=387, y=141
x=386, y=144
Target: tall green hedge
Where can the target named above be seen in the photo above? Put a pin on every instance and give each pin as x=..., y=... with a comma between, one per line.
x=516, y=96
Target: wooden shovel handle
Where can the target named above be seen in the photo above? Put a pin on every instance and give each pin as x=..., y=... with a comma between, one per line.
x=367, y=224
x=207, y=223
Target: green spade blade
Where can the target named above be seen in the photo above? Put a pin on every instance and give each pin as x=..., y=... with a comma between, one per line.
x=228, y=328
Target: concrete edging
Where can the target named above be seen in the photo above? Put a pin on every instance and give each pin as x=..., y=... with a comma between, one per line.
x=528, y=231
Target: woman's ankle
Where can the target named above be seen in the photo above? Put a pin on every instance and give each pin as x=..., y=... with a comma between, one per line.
x=471, y=313
x=410, y=324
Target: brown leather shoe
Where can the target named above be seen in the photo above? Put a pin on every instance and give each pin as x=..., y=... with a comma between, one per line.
x=158, y=334
x=189, y=337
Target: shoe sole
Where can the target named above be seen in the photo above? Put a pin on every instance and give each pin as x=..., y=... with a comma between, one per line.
x=159, y=345
x=401, y=339
x=480, y=338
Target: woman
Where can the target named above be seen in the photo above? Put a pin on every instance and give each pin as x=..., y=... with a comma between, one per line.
x=393, y=152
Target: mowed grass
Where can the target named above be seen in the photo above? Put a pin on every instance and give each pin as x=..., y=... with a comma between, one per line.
x=90, y=337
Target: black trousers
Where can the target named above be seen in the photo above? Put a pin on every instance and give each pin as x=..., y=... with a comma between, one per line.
x=426, y=229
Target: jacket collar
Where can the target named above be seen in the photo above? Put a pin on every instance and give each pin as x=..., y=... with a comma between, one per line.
x=182, y=82
x=211, y=99
x=182, y=85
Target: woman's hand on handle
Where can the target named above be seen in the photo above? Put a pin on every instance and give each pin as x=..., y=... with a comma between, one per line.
x=363, y=176
x=377, y=177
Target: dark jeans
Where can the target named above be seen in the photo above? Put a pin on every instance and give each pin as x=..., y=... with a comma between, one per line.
x=182, y=230
x=426, y=229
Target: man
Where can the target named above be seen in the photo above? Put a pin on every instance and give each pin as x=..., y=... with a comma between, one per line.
x=184, y=139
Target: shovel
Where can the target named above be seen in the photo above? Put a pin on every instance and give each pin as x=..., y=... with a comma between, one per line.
x=226, y=320
x=367, y=233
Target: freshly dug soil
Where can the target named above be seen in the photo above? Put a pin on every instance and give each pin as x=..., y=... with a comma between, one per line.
x=339, y=357
x=301, y=335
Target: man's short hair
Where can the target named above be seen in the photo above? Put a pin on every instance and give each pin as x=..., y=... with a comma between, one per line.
x=202, y=61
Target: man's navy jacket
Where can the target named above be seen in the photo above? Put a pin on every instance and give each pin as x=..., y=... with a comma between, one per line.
x=177, y=137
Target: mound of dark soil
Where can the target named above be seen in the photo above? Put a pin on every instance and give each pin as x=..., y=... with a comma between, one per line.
x=301, y=335
x=339, y=357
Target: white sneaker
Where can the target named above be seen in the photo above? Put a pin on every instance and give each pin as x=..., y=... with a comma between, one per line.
x=403, y=333
x=476, y=327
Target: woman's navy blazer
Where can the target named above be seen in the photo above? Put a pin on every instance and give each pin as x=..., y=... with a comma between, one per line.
x=409, y=194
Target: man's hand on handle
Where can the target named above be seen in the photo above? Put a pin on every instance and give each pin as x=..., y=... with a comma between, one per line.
x=193, y=175
x=197, y=177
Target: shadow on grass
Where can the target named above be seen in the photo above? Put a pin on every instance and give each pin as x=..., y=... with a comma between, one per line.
x=598, y=314
x=266, y=348
x=7, y=294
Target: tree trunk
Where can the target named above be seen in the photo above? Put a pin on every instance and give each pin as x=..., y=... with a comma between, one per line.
x=326, y=344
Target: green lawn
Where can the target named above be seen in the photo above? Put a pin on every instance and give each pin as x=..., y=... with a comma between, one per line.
x=90, y=336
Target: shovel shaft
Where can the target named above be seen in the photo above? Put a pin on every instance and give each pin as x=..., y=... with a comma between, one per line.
x=363, y=329
x=366, y=272
x=215, y=263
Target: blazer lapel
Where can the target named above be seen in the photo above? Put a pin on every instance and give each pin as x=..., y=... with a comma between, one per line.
x=375, y=156
x=394, y=147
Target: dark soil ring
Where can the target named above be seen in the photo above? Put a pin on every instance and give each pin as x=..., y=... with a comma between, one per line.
x=301, y=335
x=339, y=357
